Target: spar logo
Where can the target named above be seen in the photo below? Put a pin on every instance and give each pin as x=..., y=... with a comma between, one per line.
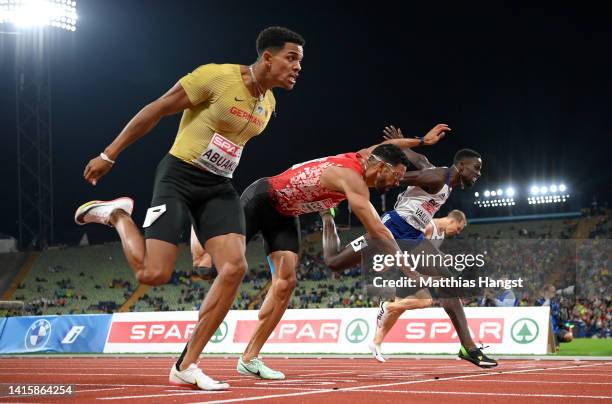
x=293, y=331
x=220, y=334
x=524, y=331
x=357, y=330
x=172, y=332
x=38, y=335
x=433, y=330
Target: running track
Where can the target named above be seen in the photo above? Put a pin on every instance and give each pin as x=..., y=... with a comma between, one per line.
x=331, y=380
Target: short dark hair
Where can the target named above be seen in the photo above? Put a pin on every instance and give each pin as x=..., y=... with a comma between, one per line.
x=391, y=154
x=458, y=215
x=465, y=154
x=276, y=37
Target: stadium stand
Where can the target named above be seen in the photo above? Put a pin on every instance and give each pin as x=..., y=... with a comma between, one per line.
x=97, y=279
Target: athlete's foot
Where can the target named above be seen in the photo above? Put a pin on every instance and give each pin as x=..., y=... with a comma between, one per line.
x=255, y=367
x=478, y=358
x=382, y=314
x=194, y=377
x=375, y=349
x=101, y=211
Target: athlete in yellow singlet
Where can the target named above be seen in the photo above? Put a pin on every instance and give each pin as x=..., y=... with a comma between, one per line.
x=223, y=105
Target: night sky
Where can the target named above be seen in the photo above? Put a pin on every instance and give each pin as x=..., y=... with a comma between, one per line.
x=527, y=85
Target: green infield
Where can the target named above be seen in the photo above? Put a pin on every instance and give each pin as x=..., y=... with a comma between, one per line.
x=587, y=347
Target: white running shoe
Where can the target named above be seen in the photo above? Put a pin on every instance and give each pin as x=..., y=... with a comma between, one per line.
x=376, y=352
x=193, y=376
x=100, y=211
x=382, y=315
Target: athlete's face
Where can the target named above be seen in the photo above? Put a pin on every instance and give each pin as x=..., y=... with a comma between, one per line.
x=454, y=227
x=388, y=176
x=284, y=65
x=469, y=169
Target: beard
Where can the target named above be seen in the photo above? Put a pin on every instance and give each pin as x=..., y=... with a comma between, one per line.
x=380, y=186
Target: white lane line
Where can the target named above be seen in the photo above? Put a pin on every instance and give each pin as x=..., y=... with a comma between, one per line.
x=531, y=381
x=79, y=374
x=105, y=389
x=357, y=388
x=467, y=393
x=577, y=374
x=161, y=395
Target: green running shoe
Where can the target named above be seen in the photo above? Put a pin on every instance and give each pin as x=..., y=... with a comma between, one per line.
x=477, y=358
x=257, y=368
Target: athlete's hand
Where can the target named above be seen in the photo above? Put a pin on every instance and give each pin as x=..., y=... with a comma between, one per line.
x=95, y=169
x=390, y=132
x=433, y=136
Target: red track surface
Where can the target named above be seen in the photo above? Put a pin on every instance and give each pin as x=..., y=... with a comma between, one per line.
x=140, y=380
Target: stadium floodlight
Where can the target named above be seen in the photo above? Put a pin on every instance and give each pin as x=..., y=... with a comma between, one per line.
x=543, y=190
x=39, y=13
x=487, y=193
x=553, y=188
x=562, y=188
x=535, y=190
x=493, y=193
x=476, y=194
x=510, y=192
x=499, y=191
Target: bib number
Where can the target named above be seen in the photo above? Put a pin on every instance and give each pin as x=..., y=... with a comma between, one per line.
x=221, y=157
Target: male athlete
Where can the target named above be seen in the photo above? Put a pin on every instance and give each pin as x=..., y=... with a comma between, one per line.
x=271, y=205
x=223, y=107
x=436, y=231
x=427, y=190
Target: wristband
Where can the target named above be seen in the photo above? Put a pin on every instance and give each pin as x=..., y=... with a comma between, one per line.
x=104, y=157
x=421, y=141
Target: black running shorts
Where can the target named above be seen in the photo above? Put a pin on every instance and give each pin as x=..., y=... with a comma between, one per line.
x=280, y=232
x=185, y=194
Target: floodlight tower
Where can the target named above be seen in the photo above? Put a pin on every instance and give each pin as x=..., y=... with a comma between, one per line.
x=29, y=20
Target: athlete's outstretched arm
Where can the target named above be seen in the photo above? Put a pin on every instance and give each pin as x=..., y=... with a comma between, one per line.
x=335, y=257
x=354, y=187
x=431, y=180
x=419, y=160
x=174, y=101
x=432, y=137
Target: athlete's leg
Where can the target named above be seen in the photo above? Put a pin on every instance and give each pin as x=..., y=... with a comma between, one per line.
x=198, y=253
x=420, y=300
x=335, y=257
x=276, y=301
x=152, y=260
x=454, y=310
x=202, y=261
x=228, y=254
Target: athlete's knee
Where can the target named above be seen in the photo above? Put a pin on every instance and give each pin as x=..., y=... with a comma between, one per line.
x=450, y=304
x=411, y=304
x=153, y=276
x=284, y=287
x=425, y=303
x=233, y=271
x=333, y=263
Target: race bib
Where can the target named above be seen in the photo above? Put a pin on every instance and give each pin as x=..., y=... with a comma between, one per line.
x=359, y=244
x=221, y=157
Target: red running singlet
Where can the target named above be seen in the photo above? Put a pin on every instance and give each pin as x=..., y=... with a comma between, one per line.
x=298, y=190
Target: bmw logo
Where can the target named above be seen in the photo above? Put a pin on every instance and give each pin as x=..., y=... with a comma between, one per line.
x=38, y=335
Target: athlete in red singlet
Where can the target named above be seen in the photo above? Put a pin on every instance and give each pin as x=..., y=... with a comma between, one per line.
x=272, y=204
x=298, y=190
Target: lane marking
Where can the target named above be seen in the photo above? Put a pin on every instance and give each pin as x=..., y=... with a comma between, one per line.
x=358, y=388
